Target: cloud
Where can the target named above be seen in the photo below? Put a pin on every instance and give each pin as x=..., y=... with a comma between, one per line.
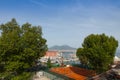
x=70, y=22
x=39, y=3
x=75, y=22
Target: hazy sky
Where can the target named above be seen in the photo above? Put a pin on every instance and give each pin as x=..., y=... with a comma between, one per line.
x=65, y=21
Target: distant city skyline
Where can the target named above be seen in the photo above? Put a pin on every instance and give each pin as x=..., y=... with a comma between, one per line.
x=65, y=22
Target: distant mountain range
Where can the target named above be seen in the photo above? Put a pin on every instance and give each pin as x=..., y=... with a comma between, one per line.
x=66, y=47
x=63, y=47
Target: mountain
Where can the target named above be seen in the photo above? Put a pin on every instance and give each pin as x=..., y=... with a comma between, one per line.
x=63, y=47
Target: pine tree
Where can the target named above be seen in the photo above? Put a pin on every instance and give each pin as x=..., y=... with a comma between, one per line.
x=20, y=47
x=98, y=51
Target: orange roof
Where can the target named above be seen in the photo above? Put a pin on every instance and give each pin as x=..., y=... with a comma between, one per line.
x=51, y=53
x=74, y=72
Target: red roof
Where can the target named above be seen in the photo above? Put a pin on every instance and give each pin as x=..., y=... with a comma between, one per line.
x=75, y=73
x=51, y=53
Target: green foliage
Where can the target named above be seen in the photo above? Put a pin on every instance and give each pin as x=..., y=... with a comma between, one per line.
x=20, y=47
x=98, y=52
x=82, y=57
x=23, y=76
x=49, y=64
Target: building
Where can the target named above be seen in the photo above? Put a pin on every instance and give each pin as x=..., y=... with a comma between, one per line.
x=116, y=60
x=52, y=54
x=60, y=56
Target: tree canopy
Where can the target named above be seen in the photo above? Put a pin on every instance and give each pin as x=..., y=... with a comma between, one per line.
x=20, y=47
x=49, y=64
x=98, y=51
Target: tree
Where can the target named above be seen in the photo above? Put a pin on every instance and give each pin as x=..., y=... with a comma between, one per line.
x=49, y=64
x=98, y=51
x=20, y=47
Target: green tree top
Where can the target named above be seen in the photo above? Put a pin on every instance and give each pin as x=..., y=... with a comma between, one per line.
x=98, y=51
x=20, y=47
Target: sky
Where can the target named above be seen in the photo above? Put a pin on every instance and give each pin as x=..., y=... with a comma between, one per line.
x=65, y=22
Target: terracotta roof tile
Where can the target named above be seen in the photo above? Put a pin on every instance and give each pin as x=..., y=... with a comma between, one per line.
x=51, y=53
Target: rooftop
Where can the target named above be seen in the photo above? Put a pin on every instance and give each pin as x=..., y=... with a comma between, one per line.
x=74, y=72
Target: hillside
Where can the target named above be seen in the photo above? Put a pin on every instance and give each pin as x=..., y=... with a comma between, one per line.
x=63, y=47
